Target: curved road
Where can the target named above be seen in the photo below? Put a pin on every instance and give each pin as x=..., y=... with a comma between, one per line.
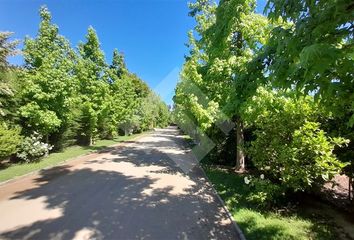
x=151, y=188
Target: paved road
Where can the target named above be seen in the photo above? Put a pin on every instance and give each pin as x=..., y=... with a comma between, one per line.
x=150, y=188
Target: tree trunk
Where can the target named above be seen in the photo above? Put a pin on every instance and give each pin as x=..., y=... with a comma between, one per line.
x=90, y=140
x=350, y=191
x=240, y=155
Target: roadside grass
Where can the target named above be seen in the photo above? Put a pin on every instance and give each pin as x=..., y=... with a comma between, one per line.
x=53, y=159
x=266, y=224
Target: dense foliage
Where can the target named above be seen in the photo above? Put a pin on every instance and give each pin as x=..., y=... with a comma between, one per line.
x=289, y=146
x=9, y=133
x=48, y=84
x=10, y=139
x=62, y=96
x=284, y=81
x=314, y=52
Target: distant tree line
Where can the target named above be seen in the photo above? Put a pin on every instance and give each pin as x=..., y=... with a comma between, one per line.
x=62, y=96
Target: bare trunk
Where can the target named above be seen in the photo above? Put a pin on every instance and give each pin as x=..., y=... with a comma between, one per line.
x=90, y=140
x=240, y=155
x=350, y=191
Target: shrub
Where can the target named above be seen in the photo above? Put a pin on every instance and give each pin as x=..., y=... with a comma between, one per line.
x=265, y=193
x=289, y=145
x=32, y=148
x=9, y=140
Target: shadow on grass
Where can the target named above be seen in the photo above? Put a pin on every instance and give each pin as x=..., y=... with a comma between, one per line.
x=4, y=165
x=259, y=223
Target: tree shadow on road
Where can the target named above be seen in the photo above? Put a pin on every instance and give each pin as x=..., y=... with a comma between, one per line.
x=111, y=203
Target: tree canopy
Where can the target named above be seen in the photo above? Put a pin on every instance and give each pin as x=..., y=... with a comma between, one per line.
x=281, y=79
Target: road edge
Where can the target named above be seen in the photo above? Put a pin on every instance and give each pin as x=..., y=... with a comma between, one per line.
x=229, y=215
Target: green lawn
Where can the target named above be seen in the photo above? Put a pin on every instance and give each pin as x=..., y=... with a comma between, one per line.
x=257, y=224
x=53, y=159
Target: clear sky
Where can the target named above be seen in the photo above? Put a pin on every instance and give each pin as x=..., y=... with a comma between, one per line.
x=150, y=33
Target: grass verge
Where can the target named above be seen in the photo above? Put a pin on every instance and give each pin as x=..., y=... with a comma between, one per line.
x=53, y=159
x=266, y=224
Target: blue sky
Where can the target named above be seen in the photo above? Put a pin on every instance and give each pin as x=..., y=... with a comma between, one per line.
x=150, y=33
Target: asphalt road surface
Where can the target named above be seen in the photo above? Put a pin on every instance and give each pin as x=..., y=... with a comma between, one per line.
x=150, y=188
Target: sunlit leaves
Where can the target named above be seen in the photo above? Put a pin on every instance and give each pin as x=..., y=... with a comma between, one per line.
x=289, y=145
x=315, y=53
x=48, y=83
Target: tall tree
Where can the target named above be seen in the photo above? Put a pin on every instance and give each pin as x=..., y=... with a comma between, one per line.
x=93, y=86
x=235, y=39
x=230, y=38
x=124, y=97
x=49, y=85
x=7, y=75
x=9, y=133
